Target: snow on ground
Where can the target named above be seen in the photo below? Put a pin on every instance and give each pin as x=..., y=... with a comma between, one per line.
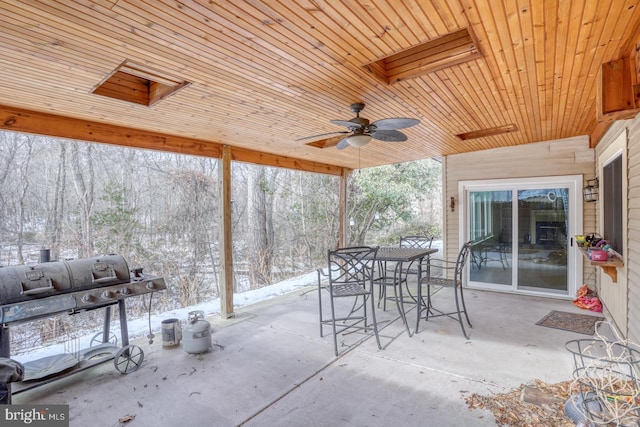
x=140, y=327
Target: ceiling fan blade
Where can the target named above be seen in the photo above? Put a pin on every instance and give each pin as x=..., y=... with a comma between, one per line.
x=347, y=123
x=394, y=123
x=389, y=135
x=322, y=134
x=343, y=144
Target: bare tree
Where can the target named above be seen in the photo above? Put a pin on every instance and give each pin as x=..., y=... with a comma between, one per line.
x=56, y=213
x=260, y=219
x=84, y=179
x=25, y=181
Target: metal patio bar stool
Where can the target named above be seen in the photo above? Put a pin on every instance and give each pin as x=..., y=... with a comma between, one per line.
x=349, y=277
x=386, y=277
x=422, y=242
x=445, y=274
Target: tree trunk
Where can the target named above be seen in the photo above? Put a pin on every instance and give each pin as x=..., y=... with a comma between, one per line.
x=84, y=182
x=24, y=191
x=260, y=219
x=54, y=226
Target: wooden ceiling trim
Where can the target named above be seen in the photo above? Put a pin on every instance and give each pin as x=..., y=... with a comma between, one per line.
x=266, y=159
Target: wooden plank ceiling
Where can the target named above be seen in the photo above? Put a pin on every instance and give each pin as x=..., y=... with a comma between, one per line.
x=261, y=74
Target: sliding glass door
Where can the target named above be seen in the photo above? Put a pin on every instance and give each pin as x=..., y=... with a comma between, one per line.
x=522, y=232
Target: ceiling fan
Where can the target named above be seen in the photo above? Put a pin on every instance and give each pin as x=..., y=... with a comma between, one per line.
x=361, y=130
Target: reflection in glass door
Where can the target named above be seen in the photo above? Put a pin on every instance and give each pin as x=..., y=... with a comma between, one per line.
x=491, y=228
x=542, y=239
x=521, y=245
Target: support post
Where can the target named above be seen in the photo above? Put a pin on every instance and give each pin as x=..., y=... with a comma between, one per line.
x=342, y=208
x=226, y=248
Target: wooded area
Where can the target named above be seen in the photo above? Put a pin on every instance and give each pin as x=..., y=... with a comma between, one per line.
x=159, y=211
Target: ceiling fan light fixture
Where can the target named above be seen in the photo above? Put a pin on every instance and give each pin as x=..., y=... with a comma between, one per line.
x=358, y=140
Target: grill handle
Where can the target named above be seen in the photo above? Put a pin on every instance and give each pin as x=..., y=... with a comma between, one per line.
x=112, y=276
x=35, y=291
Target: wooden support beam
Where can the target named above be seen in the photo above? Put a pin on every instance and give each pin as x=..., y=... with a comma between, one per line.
x=342, y=208
x=226, y=248
x=19, y=120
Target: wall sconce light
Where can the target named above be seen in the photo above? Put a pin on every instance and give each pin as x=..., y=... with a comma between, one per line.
x=452, y=204
x=590, y=192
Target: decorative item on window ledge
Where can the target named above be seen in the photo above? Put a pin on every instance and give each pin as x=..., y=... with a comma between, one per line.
x=590, y=192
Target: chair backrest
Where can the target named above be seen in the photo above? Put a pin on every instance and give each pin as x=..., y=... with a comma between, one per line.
x=423, y=242
x=463, y=255
x=352, y=265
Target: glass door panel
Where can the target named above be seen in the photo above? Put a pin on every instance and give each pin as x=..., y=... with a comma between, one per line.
x=542, y=239
x=491, y=229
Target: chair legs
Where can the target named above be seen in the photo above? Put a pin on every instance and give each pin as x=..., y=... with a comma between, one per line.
x=430, y=311
x=352, y=320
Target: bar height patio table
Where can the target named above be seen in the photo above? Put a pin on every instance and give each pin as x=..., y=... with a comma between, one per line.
x=401, y=256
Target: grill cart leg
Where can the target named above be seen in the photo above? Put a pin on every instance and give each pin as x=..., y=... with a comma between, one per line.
x=123, y=323
x=129, y=357
x=5, y=341
x=107, y=324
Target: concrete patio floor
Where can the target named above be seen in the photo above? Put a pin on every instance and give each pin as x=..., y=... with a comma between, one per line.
x=269, y=367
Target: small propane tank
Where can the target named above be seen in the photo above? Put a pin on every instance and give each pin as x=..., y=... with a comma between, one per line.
x=196, y=336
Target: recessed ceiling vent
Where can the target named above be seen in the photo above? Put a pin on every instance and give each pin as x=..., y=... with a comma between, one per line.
x=138, y=84
x=499, y=130
x=451, y=49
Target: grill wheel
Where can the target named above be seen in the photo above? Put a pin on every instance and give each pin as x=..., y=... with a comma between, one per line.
x=128, y=359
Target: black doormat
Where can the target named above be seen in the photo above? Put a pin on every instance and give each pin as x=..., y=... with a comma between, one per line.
x=574, y=322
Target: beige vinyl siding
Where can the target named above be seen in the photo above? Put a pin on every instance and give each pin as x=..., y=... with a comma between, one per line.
x=570, y=156
x=632, y=256
x=613, y=294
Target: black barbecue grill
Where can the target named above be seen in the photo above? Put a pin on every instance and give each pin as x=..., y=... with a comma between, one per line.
x=29, y=293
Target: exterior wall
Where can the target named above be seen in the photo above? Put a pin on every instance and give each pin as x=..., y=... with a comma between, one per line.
x=614, y=294
x=570, y=156
x=632, y=259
